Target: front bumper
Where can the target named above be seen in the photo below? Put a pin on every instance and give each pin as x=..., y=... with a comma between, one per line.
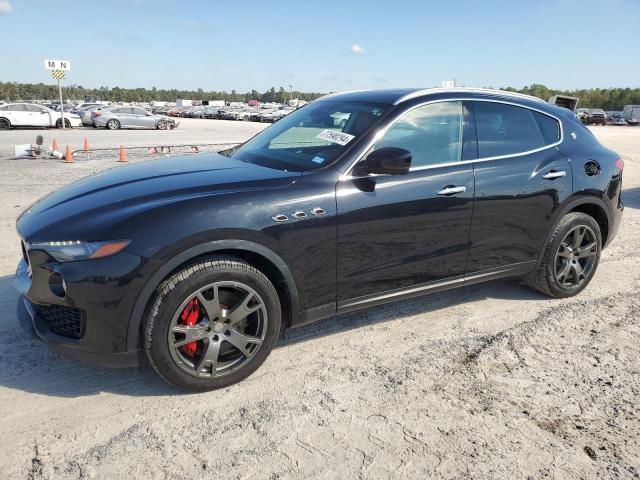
x=35, y=326
x=89, y=320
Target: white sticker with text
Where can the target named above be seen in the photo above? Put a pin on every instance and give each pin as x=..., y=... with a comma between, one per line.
x=335, y=136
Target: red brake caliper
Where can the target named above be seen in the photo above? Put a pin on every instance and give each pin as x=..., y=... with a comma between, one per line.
x=189, y=317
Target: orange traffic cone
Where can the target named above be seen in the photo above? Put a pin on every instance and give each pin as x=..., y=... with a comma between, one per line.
x=86, y=147
x=123, y=155
x=54, y=147
x=68, y=156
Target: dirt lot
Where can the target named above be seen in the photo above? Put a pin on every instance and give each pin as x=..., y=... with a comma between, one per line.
x=190, y=130
x=490, y=381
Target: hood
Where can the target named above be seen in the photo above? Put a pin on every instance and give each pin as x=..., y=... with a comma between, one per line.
x=111, y=195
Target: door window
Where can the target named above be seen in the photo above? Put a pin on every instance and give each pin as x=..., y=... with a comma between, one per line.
x=17, y=107
x=432, y=133
x=509, y=130
x=33, y=108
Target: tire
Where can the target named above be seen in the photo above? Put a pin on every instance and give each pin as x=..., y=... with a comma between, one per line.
x=113, y=124
x=213, y=285
x=162, y=125
x=560, y=252
x=67, y=123
x=5, y=124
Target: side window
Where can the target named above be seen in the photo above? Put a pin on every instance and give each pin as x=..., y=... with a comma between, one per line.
x=432, y=133
x=549, y=127
x=509, y=130
x=139, y=111
x=16, y=107
x=3, y=107
x=33, y=108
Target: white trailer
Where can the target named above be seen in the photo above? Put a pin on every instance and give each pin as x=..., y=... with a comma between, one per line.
x=631, y=111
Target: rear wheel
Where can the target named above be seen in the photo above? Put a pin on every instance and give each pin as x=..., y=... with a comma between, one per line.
x=212, y=324
x=570, y=258
x=113, y=124
x=5, y=124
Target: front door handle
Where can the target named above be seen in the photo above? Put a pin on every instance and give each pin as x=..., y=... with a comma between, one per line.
x=553, y=174
x=451, y=190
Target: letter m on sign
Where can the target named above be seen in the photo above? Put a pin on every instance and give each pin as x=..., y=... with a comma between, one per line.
x=51, y=64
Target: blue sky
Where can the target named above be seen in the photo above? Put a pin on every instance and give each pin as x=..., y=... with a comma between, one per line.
x=324, y=45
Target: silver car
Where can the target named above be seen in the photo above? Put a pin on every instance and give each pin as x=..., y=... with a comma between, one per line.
x=129, y=117
x=85, y=114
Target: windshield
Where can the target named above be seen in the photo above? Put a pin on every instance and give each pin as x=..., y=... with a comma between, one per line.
x=312, y=136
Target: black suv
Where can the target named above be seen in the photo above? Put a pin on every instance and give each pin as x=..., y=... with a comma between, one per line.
x=355, y=200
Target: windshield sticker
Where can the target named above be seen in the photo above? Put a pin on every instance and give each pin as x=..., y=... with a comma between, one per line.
x=335, y=136
x=318, y=159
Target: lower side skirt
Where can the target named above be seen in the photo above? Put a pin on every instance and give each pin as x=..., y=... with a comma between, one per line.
x=329, y=310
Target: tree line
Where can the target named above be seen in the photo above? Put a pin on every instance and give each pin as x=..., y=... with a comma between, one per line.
x=605, y=98
x=41, y=91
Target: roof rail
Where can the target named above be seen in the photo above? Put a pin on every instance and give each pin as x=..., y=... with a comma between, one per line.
x=335, y=94
x=427, y=91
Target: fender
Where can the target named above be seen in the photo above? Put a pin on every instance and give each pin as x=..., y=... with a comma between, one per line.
x=569, y=205
x=137, y=314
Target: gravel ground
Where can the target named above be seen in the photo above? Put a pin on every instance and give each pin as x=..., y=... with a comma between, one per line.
x=190, y=130
x=489, y=381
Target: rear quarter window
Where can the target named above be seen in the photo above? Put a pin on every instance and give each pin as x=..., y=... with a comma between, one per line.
x=509, y=130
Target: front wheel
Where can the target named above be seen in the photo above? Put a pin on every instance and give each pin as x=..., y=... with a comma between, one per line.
x=162, y=125
x=570, y=257
x=67, y=123
x=212, y=324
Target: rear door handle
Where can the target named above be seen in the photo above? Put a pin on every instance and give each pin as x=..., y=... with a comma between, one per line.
x=452, y=190
x=553, y=174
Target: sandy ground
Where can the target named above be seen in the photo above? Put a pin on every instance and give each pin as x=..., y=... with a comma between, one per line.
x=189, y=131
x=490, y=381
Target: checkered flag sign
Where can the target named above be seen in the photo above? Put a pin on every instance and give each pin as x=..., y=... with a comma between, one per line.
x=57, y=74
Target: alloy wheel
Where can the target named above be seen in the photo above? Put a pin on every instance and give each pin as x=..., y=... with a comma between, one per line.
x=4, y=124
x=217, y=329
x=576, y=257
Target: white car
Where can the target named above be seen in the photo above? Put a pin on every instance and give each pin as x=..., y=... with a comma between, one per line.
x=32, y=115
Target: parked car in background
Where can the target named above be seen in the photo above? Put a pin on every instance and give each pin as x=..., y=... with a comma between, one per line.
x=596, y=116
x=84, y=106
x=617, y=120
x=122, y=116
x=67, y=107
x=201, y=262
x=85, y=114
x=210, y=112
x=582, y=114
x=631, y=114
x=32, y=115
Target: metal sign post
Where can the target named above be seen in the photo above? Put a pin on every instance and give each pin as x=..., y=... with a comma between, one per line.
x=58, y=69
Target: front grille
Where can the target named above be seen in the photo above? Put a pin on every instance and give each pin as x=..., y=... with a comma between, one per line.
x=64, y=321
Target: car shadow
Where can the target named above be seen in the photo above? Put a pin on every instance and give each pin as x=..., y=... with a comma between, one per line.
x=29, y=365
x=631, y=197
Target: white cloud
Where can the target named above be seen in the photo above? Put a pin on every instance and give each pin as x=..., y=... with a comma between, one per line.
x=5, y=6
x=357, y=49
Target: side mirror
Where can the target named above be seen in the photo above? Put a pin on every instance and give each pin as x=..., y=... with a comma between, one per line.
x=386, y=161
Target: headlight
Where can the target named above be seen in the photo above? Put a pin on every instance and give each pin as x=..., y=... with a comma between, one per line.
x=75, y=250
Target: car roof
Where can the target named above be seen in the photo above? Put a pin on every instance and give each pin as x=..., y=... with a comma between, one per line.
x=397, y=96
